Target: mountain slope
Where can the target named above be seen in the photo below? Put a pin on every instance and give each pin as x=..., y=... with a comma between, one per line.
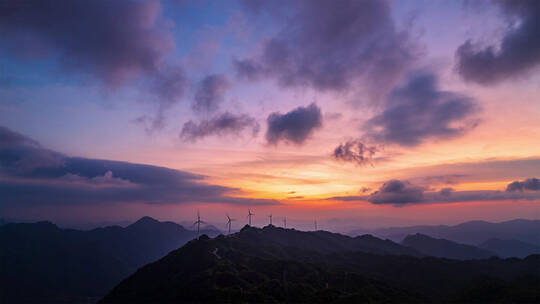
x=445, y=249
x=323, y=241
x=41, y=263
x=510, y=248
x=275, y=265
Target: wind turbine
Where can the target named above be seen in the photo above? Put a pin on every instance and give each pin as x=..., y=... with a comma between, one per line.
x=229, y=222
x=270, y=216
x=315, y=225
x=249, y=216
x=285, y=222
x=198, y=223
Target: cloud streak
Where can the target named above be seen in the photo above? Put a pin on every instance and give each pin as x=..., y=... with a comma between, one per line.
x=402, y=193
x=529, y=184
x=75, y=180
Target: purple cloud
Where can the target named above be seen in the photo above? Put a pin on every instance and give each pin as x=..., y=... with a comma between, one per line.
x=531, y=184
x=397, y=192
x=420, y=110
x=210, y=93
x=330, y=45
x=355, y=151
x=112, y=40
x=221, y=124
x=295, y=126
x=518, y=53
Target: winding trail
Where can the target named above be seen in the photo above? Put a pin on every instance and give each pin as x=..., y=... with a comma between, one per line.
x=215, y=253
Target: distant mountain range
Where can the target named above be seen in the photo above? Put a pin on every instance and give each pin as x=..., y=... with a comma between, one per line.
x=284, y=265
x=499, y=238
x=445, y=249
x=510, y=248
x=471, y=233
x=42, y=263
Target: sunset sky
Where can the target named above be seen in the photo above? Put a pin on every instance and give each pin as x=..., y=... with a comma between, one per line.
x=351, y=113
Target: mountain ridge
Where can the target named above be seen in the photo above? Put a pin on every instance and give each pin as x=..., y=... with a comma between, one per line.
x=470, y=233
x=258, y=265
x=98, y=259
x=444, y=248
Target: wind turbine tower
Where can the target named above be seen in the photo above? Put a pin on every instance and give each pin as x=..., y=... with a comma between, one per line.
x=285, y=222
x=270, y=216
x=315, y=225
x=198, y=223
x=229, y=221
x=249, y=216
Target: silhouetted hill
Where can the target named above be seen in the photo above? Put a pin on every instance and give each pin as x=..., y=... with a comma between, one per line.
x=283, y=265
x=510, y=248
x=445, y=249
x=42, y=263
x=471, y=233
x=142, y=242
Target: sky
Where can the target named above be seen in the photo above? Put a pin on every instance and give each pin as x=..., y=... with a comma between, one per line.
x=354, y=114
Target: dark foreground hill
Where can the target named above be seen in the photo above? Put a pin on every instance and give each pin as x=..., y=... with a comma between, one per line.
x=277, y=265
x=41, y=263
x=442, y=248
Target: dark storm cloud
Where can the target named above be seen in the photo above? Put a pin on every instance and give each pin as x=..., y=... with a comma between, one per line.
x=330, y=45
x=397, y=192
x=109, y=39
x=221, y=124
x=531, y=184
x=519, y=50
x=420, y=110
x=210, y=93
x=59, y=179
x=355, y=151
x=295, y=126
